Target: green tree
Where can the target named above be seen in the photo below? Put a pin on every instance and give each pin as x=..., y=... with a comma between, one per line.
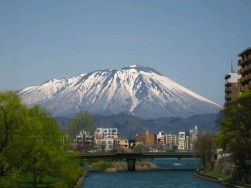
x=46, y=150
x=205, y=147
x=139, y=148
x=82, y=124
x=31, y=143
x=43, y=141
x=235, y=128
x=12, y=133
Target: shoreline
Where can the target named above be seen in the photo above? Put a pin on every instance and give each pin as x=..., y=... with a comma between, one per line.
x=221, y=181
x=81, y=180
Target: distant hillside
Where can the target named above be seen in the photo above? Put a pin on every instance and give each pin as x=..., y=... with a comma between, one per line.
x=128, y=125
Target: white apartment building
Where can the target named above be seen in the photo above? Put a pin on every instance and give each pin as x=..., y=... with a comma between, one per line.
x=171, y=141
x=104, y=137
x=182, y=141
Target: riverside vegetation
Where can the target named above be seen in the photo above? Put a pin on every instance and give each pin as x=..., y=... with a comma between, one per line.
x=33, y=149
x=235, y=138
x=114, y=166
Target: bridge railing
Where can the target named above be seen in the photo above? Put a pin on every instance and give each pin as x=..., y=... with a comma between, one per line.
x=138, y=155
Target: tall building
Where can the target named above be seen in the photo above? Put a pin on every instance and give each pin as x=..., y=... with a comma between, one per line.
x=245, y=70
x=171, y=142
x=182, y=141
x=231, y=85
x=150, y=138
x=193, y=137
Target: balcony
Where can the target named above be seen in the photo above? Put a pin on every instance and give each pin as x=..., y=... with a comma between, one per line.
x=244, y=69
x=247, y=86
x=239, y=81
x=228, y=90
x=242, y=79
x=240, y=61
x=227, y=83
x=247, y=58
x=244, y=60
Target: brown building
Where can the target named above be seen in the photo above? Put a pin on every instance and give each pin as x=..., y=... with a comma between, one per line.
x=140, y=139
x=150, y=139
x=231, y=86
x=147, y=139
x=245, y=70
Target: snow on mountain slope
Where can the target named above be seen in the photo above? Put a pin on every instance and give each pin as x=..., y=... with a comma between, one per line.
x=137, y=90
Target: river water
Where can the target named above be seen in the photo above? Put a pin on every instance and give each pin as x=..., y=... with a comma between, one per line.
x=171, y=173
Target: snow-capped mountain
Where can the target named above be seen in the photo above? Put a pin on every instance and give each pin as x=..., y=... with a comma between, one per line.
x=136, y=90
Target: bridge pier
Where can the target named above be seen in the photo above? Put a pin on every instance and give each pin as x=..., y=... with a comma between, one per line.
x=131, y=164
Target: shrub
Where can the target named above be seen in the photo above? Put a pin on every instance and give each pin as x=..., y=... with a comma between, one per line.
x=103, y=165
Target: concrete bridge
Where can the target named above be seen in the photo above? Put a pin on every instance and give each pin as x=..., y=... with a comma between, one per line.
x=132, y=157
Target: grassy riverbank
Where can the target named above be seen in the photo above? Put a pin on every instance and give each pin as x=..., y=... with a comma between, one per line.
x=215, y=176
x=114, y=166
x=27, y=181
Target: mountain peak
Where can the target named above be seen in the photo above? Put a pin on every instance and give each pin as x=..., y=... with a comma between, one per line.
x=141, y=68
x=134, y=66
x=136, y=90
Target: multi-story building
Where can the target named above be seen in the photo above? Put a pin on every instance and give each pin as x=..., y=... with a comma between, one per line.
x=105, y=137
x=171, y=142
x=182, y=141
x=122, y=144
x=160, y=139
x=245, y=70
x=147, y=139
x=193, y=137
x=140, y=139
x=83, y=137
x=231, y=85
x=187, y=143
x=150, y=139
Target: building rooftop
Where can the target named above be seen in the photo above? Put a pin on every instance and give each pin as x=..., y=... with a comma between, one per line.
x=245, y=52
x=232, y=77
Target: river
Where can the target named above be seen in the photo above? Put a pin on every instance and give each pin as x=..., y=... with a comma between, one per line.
x=171, y=173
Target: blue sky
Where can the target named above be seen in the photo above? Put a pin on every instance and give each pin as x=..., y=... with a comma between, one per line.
x=189, y=41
